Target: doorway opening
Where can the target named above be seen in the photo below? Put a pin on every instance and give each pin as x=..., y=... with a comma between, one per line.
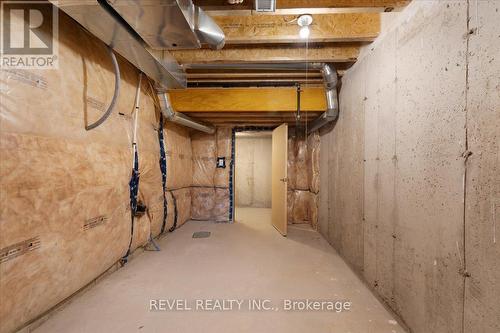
x=252, y=171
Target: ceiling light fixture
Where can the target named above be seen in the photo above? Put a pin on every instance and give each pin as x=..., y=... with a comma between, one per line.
x=304, y=21
x=304, y=32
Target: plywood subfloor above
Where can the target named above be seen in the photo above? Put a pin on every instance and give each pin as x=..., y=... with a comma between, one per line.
x=306, y=4
x=260, y=29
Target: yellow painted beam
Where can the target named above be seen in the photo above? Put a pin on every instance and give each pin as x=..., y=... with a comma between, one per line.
x=247, y=100
x=258, y=29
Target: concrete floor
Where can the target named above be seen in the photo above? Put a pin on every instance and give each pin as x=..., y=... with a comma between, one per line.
x=245, y=260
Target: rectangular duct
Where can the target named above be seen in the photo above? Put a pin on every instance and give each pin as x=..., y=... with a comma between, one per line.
x=163, y=24
x=265, y=5
x=170, y=24
x=100, y=20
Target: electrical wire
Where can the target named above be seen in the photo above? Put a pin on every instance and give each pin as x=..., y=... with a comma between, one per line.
x=115, y=94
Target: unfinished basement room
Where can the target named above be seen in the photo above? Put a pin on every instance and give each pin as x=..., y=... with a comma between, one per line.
x=281, y=166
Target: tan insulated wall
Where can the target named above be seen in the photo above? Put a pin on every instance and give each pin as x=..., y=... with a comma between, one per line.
x=395, y=167
x=64, y=190
x=303, y=179
x=210, y=186
x=179, y=173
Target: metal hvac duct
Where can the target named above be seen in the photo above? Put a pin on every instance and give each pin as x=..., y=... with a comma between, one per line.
x=127, y=25
x=179, y=118
x=99, y=19
x=332, y=105
x=170, y=24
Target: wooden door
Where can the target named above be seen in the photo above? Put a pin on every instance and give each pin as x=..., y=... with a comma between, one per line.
x=279, y=178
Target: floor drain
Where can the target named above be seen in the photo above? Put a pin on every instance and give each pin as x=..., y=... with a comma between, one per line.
x=201, y=234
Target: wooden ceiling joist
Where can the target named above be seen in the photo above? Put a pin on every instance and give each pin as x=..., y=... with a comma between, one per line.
x=342, y=53
x=260, y=29
x=261, y=75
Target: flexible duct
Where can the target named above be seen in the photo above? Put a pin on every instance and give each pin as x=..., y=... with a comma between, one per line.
x=171, y=115
x=115, y=94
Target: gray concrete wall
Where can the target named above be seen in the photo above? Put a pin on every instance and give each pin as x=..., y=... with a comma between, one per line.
x=482, y=199
x=395, y=167
x=253, y=171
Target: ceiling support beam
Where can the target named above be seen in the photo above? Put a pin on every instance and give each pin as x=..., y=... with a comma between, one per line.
x=247, y=100
x=341, y=53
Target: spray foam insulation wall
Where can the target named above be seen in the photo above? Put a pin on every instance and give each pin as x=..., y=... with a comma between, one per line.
x=64, y=190
x=396, y=160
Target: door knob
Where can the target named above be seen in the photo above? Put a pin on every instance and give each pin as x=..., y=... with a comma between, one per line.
x=284, y=180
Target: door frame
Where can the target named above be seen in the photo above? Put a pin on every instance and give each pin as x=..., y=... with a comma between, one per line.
x=232, y=162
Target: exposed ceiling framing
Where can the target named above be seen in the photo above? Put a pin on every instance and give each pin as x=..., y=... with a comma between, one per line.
x=385, y=5
x=339, y=29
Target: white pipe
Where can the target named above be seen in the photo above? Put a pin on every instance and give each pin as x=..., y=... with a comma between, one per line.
x=136, y=109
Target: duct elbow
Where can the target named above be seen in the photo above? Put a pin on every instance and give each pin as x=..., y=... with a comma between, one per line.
x=207, y=31
x=165, y=105
x=329, y=76
x=171, y=115
x=332, y=104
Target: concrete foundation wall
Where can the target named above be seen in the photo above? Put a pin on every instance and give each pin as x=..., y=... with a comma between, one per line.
x=482, y=199
x=253, y=171
x=395, y=164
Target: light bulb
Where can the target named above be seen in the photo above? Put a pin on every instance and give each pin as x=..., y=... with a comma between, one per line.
x=304, y=32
